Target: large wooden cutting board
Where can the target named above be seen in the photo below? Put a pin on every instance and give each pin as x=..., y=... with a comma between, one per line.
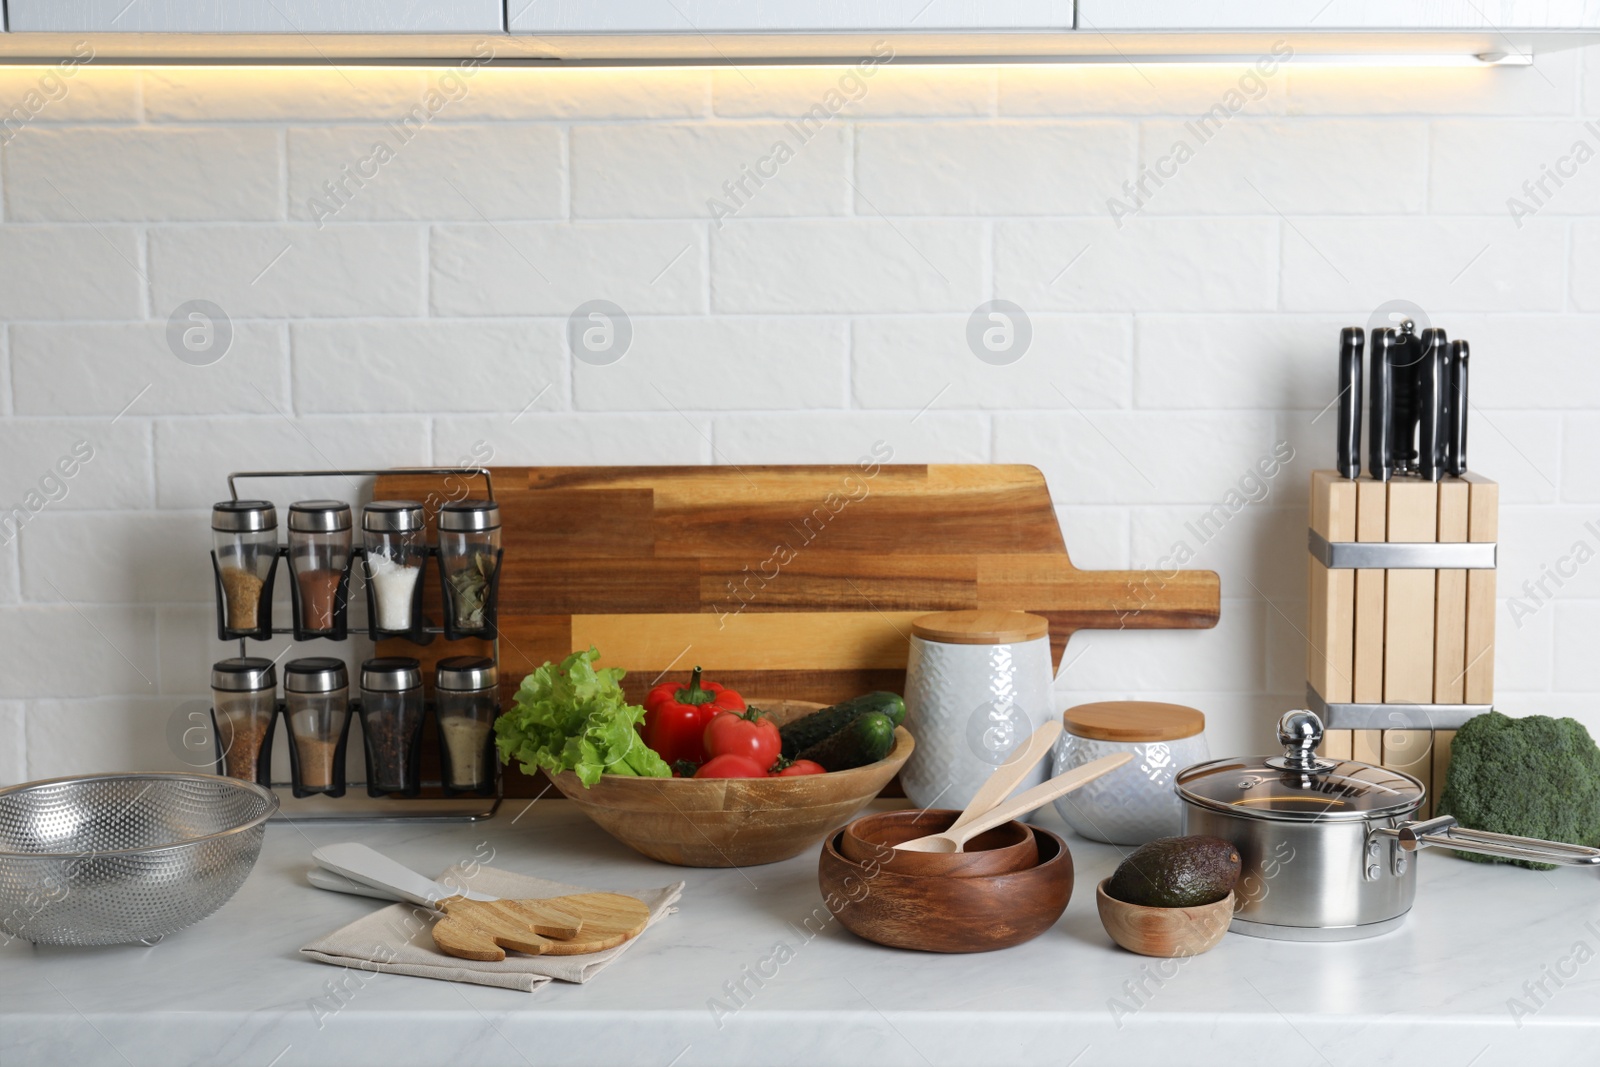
x=787, y=582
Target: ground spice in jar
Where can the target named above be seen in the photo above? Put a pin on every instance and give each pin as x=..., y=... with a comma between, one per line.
x=316, y=761
x=465, y=738
x=242, y=735
x=242, y=592
x=319, y=592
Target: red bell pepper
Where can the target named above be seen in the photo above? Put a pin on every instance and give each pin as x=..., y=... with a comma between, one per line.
x=676, y=715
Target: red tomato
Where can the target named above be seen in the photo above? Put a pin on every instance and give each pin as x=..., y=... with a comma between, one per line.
x=748, y=733
x=799, y=767
x=730, y=766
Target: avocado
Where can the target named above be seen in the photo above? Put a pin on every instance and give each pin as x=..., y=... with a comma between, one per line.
x=1176, y=872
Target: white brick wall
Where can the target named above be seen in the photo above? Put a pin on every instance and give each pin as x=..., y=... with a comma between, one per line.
x=425, y=319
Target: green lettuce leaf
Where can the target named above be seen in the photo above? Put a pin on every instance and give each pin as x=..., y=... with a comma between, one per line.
x=575, y=718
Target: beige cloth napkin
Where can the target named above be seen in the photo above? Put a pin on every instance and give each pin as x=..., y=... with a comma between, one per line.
x=399, y=940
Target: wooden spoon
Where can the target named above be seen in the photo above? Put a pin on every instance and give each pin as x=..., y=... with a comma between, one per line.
x=1006, y=776
x=1021, y=804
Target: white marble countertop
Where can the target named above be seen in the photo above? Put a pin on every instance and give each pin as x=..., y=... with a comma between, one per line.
x=233, y=989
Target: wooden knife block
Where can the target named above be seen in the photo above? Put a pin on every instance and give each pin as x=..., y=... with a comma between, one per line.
x=1401, y=637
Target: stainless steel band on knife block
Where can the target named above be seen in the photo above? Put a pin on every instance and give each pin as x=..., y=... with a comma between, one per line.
x=1403, y=555
x=1392, y=716
x=1398, y=555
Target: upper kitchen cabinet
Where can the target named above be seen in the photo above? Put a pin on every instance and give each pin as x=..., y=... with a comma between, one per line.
x=1336, y=15
x=787, y=16
x=256, y=16
x=719, y=30
x=802, y=31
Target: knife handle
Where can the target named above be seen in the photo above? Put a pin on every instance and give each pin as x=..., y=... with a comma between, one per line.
x=1380, y=428
x=1407, y=357
x=1459, y=351
x=1349, y=440
x=1432, y=393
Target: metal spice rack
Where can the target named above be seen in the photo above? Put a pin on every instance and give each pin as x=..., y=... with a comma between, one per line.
x=341, y=805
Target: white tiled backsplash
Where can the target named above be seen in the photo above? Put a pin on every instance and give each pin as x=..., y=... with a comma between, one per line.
x=420, y=316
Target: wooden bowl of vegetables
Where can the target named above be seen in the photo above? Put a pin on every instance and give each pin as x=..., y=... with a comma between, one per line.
x=573, y=722
x=734, y=822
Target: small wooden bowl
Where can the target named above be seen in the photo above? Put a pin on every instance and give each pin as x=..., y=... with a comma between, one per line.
x=943, y=913
x=1004, y=849
x=1164, y=932
x=733, y=822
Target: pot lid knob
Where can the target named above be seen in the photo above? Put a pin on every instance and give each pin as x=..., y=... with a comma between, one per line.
x=1300, y=732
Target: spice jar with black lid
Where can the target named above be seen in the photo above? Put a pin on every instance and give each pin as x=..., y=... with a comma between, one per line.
x=319, y=558
x=396, y=545
x=244, y=543
x=469, y=560
x=317, y=692
x=244, y=707
x=467, y=697
x=391, y=719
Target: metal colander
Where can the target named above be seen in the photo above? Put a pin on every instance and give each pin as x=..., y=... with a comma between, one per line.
x=113, y=858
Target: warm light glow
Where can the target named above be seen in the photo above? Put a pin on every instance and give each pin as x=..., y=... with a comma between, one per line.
x=1164, y=60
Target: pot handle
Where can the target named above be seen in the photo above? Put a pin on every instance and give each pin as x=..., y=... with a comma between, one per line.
x=1447, y=833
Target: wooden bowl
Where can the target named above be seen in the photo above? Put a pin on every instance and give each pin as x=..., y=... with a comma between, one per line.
x=1165, y=932
x=733, y=822
x=943, y=913
x=1004, y=849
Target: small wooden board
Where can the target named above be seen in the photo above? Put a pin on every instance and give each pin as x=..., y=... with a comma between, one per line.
x=555, y=926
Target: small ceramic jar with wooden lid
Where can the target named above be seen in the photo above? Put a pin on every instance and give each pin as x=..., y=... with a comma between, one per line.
x=977, y=685
x=1136, y=802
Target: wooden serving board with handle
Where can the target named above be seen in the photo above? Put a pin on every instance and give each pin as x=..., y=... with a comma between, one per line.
x=796, y=582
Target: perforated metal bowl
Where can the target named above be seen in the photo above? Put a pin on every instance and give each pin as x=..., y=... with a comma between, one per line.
x=114, y=858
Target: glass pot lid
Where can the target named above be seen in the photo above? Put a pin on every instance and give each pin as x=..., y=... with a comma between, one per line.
x=1299, y=785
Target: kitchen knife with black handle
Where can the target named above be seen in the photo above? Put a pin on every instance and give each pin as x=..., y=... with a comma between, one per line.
x=1349, y=442
x=1380, y=411
x=1459, y=351
x=1405, y=359
x=1433, y=387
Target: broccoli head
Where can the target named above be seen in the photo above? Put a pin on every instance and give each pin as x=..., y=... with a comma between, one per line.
x=1532, y=777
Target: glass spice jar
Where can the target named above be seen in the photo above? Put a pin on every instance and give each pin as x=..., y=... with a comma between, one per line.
x=391, y=719
x=394, y=535
x=317, y=692
x=244, y=703
x=244, y=538
x=319, y=556
x=467, y=696
x=469, y=553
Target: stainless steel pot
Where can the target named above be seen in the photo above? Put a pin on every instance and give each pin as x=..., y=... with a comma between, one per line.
x=1326, y=845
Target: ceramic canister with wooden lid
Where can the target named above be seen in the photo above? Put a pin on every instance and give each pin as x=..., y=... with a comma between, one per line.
x=977, y=685
x=1137, y=802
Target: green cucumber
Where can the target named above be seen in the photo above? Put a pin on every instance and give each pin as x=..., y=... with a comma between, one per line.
x=865, y=740
x=820, y=725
